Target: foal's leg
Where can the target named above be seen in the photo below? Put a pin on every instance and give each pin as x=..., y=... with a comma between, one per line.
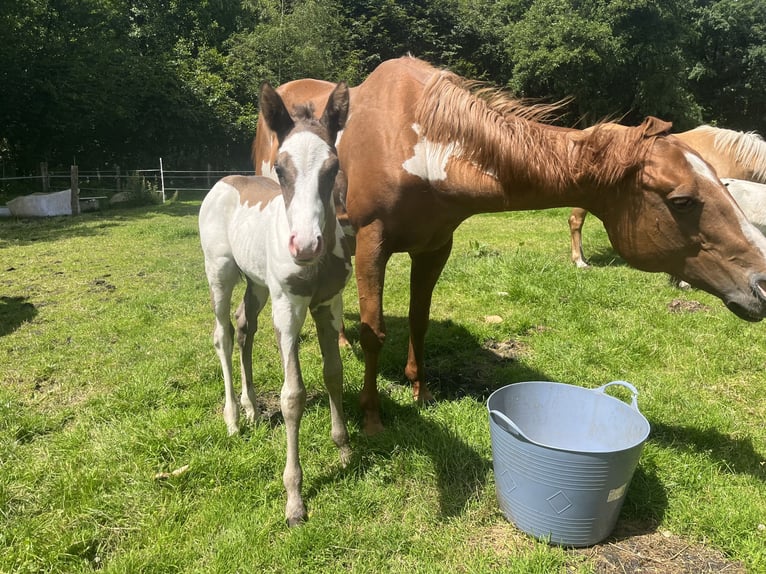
x=576, y=221
x=247, y=325
x=425, y=272
x=328, y=321
x=222, y=279
x=288, y=320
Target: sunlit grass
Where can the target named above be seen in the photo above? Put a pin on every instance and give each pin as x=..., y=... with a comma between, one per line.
x=108, y=377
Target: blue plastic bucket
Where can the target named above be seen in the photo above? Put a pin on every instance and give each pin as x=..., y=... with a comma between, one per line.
x=564, y=457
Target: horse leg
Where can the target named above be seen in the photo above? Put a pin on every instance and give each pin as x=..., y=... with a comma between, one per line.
x=425, y=272
x=370, y=269
x=288, y=320
x=576, y=221
x=328, y=321
x=247, y=325
x=222, y=280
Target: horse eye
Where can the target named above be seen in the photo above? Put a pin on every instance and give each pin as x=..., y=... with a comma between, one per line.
x=683, y=202
x=279, y=171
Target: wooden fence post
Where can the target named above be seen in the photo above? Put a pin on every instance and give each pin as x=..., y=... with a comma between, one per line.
x=45, y=177
x=74, y=180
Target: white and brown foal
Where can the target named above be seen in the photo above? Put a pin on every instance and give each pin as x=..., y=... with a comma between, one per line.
x=285, y=241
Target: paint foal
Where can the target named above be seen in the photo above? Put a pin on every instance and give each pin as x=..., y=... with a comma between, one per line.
x=732, y=154
x=423, y=150
x=286, y=242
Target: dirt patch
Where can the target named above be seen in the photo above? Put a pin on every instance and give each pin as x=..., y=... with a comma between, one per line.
x=631, y=548
x=681, y=306
x=510, y=350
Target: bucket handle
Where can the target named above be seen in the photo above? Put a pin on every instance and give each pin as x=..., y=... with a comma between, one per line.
x=508, y=425
x=631, y=388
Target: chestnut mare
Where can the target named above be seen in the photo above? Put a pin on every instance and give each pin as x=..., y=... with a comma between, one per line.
x=286, y=242
x=738, y=155
x=424, y=149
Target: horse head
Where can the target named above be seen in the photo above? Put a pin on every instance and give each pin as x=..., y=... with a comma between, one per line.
x=306, y=166
x=672, y=213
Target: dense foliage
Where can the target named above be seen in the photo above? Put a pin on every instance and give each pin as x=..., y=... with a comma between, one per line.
x=104, y=81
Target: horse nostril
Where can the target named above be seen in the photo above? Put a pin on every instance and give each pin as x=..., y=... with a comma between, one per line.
x=759, y=288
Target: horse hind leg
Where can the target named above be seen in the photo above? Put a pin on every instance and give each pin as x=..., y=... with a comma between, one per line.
x=328, y=322
x=247, y=325
x=576, y=221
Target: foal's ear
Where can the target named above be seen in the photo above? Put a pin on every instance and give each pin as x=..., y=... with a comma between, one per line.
x=274, y=111
x=652, y=126
x=336, y=110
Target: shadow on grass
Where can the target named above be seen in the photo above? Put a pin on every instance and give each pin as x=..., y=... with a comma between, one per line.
x=736, y=455
x=14, y=311
x=466, y=367
x=606, y=256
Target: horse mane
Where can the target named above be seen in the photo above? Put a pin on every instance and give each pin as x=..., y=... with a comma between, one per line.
x=747, y=148
x=514, y=141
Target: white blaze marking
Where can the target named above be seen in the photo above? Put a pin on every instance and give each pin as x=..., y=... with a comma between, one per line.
x=306, y=215
x=700, y=167
x=429, y=161
x=751, y=233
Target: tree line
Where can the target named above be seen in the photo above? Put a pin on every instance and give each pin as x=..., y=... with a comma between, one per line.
x=98, y=82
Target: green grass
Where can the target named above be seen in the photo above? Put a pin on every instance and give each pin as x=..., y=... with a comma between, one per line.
x=108, y=376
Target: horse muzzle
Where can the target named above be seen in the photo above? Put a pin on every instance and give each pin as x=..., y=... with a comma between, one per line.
x=752, y=308
x=305, y=253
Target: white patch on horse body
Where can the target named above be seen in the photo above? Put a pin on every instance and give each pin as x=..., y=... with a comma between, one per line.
x=308, y=153
x=699, y=166
x=429, y=161
x=751, y=198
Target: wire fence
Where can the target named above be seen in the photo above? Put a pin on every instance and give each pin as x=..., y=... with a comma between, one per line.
x=106, y=183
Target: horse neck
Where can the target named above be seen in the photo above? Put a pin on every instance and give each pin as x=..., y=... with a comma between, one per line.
x=537, y=166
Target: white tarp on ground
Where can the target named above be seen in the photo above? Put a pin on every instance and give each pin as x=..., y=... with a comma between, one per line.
x=42, y=204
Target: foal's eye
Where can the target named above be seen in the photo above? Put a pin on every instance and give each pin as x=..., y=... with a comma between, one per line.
x=280, y=172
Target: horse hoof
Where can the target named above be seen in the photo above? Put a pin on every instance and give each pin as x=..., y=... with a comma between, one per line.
x=294, y=521
x=345, y=455
x=373, y=427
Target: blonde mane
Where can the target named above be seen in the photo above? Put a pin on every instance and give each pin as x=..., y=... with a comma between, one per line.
x=747, y=148
x=510, y=138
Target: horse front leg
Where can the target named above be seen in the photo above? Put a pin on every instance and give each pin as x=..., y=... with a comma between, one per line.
x=370, y=268
x=247, y=325
x=328, y=321
x=576, y=221
x=425, y=272
x=288, y=320
x=222, y=279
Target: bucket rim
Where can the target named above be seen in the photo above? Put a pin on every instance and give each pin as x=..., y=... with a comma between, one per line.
x=519, y=434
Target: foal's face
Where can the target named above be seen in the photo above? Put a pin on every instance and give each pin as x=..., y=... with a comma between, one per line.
x=306, y=167
x=680, y=219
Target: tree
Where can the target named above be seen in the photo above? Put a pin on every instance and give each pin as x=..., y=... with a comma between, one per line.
x=728, y=73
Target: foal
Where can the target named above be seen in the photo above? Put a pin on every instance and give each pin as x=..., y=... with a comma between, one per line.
x=286, y=242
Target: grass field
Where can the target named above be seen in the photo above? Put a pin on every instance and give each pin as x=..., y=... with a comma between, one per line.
x=108, y=378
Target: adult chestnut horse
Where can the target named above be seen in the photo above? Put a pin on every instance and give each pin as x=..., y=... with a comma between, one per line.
x=423, y=149
x=733, y=154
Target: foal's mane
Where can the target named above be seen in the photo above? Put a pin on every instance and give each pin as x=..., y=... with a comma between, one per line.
x=747, y=148
x=512, y=139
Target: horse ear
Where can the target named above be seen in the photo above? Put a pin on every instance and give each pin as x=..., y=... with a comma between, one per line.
x=655, y=127
x=274, y=111
x=336, y=110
